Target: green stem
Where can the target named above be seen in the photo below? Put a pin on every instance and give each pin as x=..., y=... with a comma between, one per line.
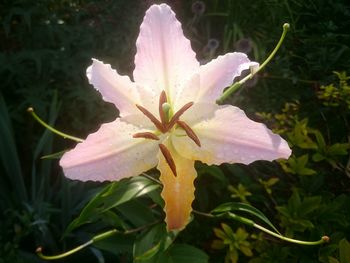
x=78, y=248
x=236, y=85
x=249, y=222
x=323, y=239
x=96, y=238
x=47, y=126
x=66, y=254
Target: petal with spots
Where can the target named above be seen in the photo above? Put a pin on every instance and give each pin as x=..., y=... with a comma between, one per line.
x=113, y=87
x=231, y=137
x=110, y=154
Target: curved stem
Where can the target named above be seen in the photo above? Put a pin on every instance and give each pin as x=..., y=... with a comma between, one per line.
x=66, y=254
x=323, y=239
x=236, y=85
x=78, y=248
x=203, y=214
x=249, y=222
x=47, y=126
x=96, y=238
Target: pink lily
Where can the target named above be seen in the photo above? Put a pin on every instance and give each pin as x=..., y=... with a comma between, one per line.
x=169, y=118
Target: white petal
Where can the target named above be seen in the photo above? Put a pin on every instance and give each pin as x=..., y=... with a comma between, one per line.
x=208, y=84
x=113, y=87
x=231, y=137
x=110, y=154
x=164, y=58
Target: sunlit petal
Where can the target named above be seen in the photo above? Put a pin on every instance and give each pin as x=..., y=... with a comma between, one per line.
x=110, y=154
x=113, y=87
x=208, y=84
x=164, y=58
x=178, y=192
x=231, y=137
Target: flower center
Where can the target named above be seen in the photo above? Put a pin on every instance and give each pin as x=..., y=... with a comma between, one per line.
x=165, y=124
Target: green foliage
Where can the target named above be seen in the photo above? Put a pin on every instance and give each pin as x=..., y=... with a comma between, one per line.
x=236, y=242
x=239, y=192
x=297, y=214
x=334, y=95
x=46, y=46
x=111, y=196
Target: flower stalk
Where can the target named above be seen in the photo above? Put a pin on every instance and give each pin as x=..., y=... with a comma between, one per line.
x=238, y=84
x=47, y=126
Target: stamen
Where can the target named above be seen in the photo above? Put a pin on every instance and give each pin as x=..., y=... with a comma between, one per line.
x=153, y=119
x=190, y=133
x=177, y=115
x=168, y=158
x=146, y=135
x=162, y=99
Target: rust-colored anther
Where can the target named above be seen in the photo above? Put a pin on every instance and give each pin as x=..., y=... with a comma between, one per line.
x=178, y=114
x=162, y=99
x=190, y=133
x=168, y=158
x=153, y=119
x=146, y=135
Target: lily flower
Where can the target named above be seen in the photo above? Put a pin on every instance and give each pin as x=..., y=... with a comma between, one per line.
x=169, y=118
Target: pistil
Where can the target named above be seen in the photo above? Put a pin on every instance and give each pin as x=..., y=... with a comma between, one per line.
x=163, y=99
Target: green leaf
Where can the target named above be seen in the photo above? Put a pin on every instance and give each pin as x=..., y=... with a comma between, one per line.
x=133, y=188
x=136, y=212
x=333, y=260
x=242, y=207
x=113, y=195
x=9, y=156
x=150, y=243
x=56, y=155
x=320, y=140
x=116, y=244
x=339, y=149
x=344, y=251
x=183, y=253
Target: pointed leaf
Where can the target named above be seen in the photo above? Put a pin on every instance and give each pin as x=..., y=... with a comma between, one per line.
x=113, y=195
x=183, y=253
x=242, y=207
x=344, y=251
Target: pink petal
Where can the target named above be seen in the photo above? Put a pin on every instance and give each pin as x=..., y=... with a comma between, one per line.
x=114, y=88
x=231, y=137
x=164, y=58
x=208, y=84
x=110, y=154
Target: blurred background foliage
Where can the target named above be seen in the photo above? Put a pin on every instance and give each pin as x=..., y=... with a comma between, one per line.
x=303, y=94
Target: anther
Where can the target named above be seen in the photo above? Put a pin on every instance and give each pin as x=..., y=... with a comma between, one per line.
x=153, y=119
x=190, y=133
x=178, y=114
x=146, y=135
x=162, y=99
x=168, y=158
